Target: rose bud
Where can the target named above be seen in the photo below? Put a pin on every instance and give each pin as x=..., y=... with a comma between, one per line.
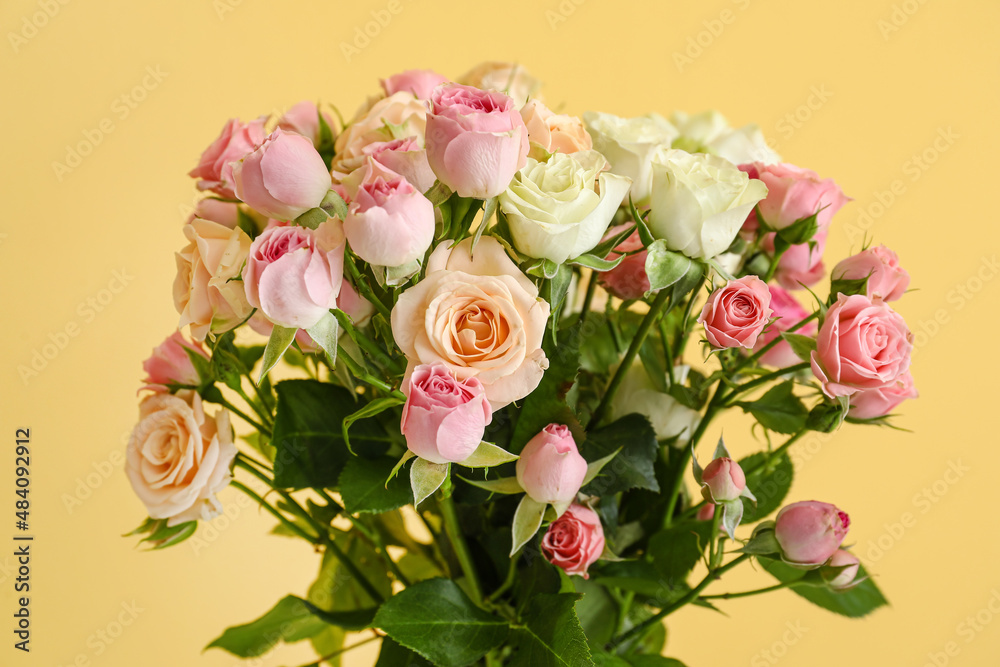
x=358, y=308
x=575, y=540
x=842, y=579
x=787, y=313
x=794, y=193
x=736, y=314
x=552, y=132
x=551, y=469
x=863, y=344
x=225, y=213
x=706, y=513
x=443, y=419
x=809, y=532
x=419, y=82
x=401, y=111
x=293, y=274
x=871, y=403
x=406, y=158
x=389, y=223
x=628, y=280
x=802, y=264
x=283, y=178
x=887, y=280
x=303, y=118
x=722, y=480
x=476, y=140
x=214, y=171
x=170, y=364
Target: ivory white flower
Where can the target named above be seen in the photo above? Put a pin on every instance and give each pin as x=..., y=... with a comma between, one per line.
x=709, y=132
x=554, y=209
x=630, y=145
x=669, y=417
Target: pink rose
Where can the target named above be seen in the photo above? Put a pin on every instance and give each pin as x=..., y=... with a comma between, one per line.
x=887, y=280
x=794, y=193
x=170, y=365
x=844, y=578
x=722, y=480
x=511, y=79
x=809, y=532
x=476, y=140
x=389, y=223
x=863, y=344
x=551, y=469
x=706, y=513
x=871, y=403
x=554, y=133
x=801, y=265
x=294, y=274
x=443, y=419
x=303, y=118
x=226, y=213
x=399, y=115
x=628, y=280
x=214, y=171
x=575, y=540
x=788, y=312
x=736, y=313
x=283, y=178
x=419, y=82
x=358, y=308
x=406, y=158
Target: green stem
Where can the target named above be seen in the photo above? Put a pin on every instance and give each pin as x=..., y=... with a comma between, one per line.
x=509, y=581
x=454, y=532
x=266, y=416
x=588, y=297
x=242, y=415
x=746, y=594
x=773, y=266
x=278, y=515
x=364, y=288
x=715, y=541
x=763, y=379
x=686, y=322
x=678, y=482
x=362, y=374
x=368, y=345
x=667, y=351
x=777, y=339
x=376, y=539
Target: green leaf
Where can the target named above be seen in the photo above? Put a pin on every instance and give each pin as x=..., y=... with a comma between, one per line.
x=426, y=478
x=363, y=486
x=676, y=550
x=779, y=410
x=554, y=292
x=594, y=609
x=249, y=356
x=246, y=223
x=801, y=345
x=551, y=635
x=227, y=366
x=847, y=287
x=769, y=483
x=354, y=619
x=312, y=218
x=596, y=263
x=436, y=619
x=325, y=333
x=632, y=468
x=665, y=267
x=334, y=205
x=527, y=520
x=290, y=620
x=488, y=455
x=161, y=535
x=309, y=442
x=204, y=367
x=280, y=340
x=645, y=235
x=370, y=409
x=438, y=193
x=801, y=231
x=827, y=416
x=505, y=485
x=604, y=247
x=855, y=602
x=337, y=590
x=394, y=655
x=653, y=661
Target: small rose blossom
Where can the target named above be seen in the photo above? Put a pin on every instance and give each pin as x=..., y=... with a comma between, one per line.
x=226, y=213
x=628, y=280
x=406, y=158
x=801, y=265
x=389, y=223
x=631, y=145
x=443, y=419
x=871, y=403
x=511, y=79
x=214, y=171
x=552, y=132
x=887, y=280
x=303, y=118
x=418, y=82
x=722, y=480
x=736, y=314
x=787, y=312
x=574, y=541
x=283, y=178
x=372, y=124
x=550, y=469
x=794, y=193
x=843, y=579
x=171, y=365
x=810, y=532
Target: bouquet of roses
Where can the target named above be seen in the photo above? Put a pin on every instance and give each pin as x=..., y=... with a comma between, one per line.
x=504, y=333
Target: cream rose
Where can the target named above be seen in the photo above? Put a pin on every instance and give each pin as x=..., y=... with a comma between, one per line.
x=508, y=78
x=371, y=125
x=554, y=209
x=178, y=457
x=205, y=292
x=630, y=145
x=668, y=417
x=477, y=314
x=709, y=132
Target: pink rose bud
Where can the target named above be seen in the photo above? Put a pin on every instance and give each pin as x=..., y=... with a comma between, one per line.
x=476, y=140
x=722, y=480
x=801, y=265
x=551, y=469
x=628, y=280
x=406, y=158
x=706, y=513
x=736, y=313
x=419, y=82
x=574, y=541
x=170, y=365
x=871, y=403
x=358, y=308
x=887, y=280
x=844, y=578
x=809, y=532
x=303, y=118
x=444, y=419
x=214, y=171
x=283, y=178
x=389, y=223
x=787, y=313
x=221, y=212
x=863, y=344
x=794, y=193
x=294, y=274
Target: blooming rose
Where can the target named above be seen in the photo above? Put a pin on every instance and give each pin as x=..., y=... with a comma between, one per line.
x=722, y=480
x=628, y=280
x=699, y=202
x=294, y=274
x=787, y=312
x=638, y=394
x=303, y=118
x=843, y=579
x=809, y=532
x=553, y=208
x=871, y=403
x=802, y=264
x=863, y=344
x=389, y=223
x=630, y=145
x=550, y=469
x=397, y=116
x=575, y=540
x=887, y=280
x=443, y=419
x=418, y=82
x=553, y=133
x=709, y=132
x=510, y=79
x=400, y=157
x=178, y=457
x=171, y=365
x=736, y=314
x=283, y=178
x=479, y=316
x=214, y=171
x=226, y=213
x=794, y=193
x=476, y=140
x=205, y=294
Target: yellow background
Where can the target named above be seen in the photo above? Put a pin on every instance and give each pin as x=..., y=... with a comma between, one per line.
x=868, y=85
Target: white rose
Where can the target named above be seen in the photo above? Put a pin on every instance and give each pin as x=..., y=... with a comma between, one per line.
x=630, y=145
x=553, y=208
x=178, y=458
x=668, y=417
x=699, y=202
x=709, y=132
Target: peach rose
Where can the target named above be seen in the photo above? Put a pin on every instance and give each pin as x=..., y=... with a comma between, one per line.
x=401, y=109
x=555, y=133
x=510, y=79
x=178, y=457
x=205, y=292
x=479, y=316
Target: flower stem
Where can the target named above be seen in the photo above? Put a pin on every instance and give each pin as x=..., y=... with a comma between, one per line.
x=278, y=515
x=777, y=339
x=763, y=379
x=242, y=415
x=746, y=594
x=588, y=297
x=367, y=344
x=454, y=532
x=364, y=288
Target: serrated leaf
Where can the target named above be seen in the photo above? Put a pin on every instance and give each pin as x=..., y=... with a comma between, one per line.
x=325, y=333
x=854, y=602
x=426, y=478
x=289, y=620
x=505, y=485
x=769, y=484
x=370, y=409
x=354, y=619
x=363, y=486
x=676, y=550
x=394, y=655
x=488, y=455
x=527, y=520
x=779, y=409
x=551, y=635
x=633, y=466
